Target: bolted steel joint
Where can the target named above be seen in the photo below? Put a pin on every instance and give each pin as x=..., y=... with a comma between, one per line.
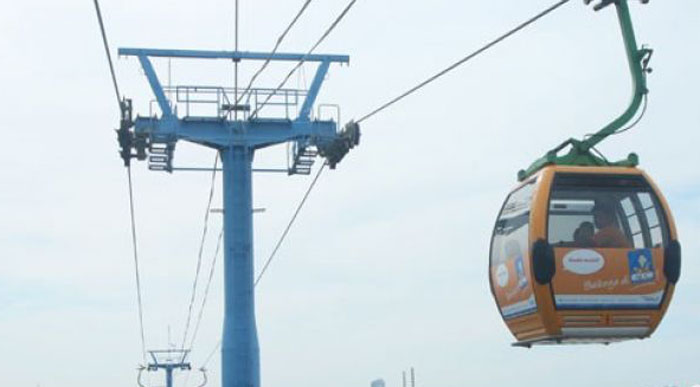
x=605, y=3
x=334, y=151
x=130, y=145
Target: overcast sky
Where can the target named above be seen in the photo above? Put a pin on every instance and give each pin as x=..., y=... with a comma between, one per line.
x=386, y=267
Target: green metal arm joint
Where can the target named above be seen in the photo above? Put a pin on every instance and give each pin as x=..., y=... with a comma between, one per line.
x=580, y=152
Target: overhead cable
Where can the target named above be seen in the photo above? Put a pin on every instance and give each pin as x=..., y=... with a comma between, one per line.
x=139, y=298
x=235, y=63
x=409, y=92
x=212, y=269
x=290, y=224
x=211, y=354
x=201, y=251
x=274, y=50
x=206, y=288
x=466, y=59
x=277, y=246
x=303, y=59
x=109, y=55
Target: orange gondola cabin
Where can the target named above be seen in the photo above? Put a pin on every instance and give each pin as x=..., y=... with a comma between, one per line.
x=584, y=254
x=584, y=249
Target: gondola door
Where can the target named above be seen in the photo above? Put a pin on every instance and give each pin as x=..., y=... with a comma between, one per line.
x=608, y=231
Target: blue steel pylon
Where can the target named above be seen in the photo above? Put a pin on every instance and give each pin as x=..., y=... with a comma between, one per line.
x=169, y=360
x=237, y=140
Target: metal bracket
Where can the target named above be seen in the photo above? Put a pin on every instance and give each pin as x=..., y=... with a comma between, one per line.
x=581, y=151
x=601, y=5
x=605, y=3
x=335, y=150
x=204, y=375
x=138, y=378
x=153, y=138
x=126, y=137
x=646, y=53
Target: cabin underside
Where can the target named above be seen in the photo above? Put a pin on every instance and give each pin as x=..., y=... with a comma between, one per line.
x=599, y=335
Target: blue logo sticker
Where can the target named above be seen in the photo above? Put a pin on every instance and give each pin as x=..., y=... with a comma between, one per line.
x=520, y=270
x=641, y=266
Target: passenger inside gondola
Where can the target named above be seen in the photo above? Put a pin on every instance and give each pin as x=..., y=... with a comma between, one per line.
x=583, y=236
x=609, y=234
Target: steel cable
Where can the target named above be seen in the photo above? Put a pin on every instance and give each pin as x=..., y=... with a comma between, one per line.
x=206, y=288
x=303, y=59
x=109, y=55
x=290, y=224
x=212, y=269
x=466, y=59
x=274, y=50
x=277, y=246
x=134, y=239
x=136, y=263
x=211, y=354
x=371, y=114
x=201, y=251
x=412, y=90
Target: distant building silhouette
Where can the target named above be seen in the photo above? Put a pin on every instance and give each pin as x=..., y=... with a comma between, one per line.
x=378, y=383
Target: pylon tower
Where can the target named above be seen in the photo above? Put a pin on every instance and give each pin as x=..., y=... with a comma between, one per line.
x=209, y=116
x=169, y=360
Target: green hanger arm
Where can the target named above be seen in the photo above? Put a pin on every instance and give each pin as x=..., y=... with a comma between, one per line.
x=580, y=153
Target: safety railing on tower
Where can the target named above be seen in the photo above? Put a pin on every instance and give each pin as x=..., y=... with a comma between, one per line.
x=223, y=102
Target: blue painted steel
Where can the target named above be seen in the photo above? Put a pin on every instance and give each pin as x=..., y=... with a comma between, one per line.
x=240, y=353
x=219, y=133
x=169, y=365
x=237, y=141
x=155, y=85
x=255, y=170
x=236, y=55
x=314, y=89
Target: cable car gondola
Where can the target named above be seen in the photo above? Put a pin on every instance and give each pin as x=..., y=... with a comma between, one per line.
x=585, y=250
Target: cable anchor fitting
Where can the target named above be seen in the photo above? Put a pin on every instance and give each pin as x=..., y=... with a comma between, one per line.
x=605, y=3
x=126, y=137
x=645, y=54
x=335, y=150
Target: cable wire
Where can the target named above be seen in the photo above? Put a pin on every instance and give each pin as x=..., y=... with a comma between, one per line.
x=201, y=251
x=629, y=127
x=136, y=263
x=139, y=297
x=279, y=243
x=303, y=59
x=235, y=63
x=638, y=120
x=277, y=246
x=411, y=91
x=211, y=354
x=289, y=225
x=109, y=55
x=274, y=50
x=466, y=59
x=206, y=289
x=206, y=296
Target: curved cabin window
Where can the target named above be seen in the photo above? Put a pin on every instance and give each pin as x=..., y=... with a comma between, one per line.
x=510, y=237
x=605, y=211
x=510, y=263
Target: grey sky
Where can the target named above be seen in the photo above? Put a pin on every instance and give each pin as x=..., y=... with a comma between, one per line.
x=387, y=266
